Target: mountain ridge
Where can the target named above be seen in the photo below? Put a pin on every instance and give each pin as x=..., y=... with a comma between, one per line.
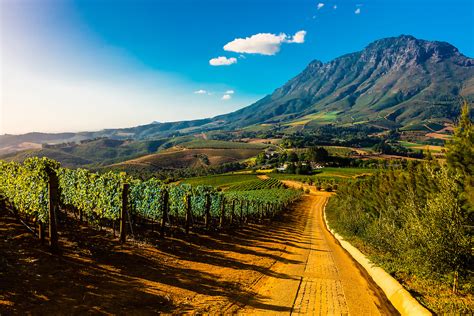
x=393, y=82
x=337, y=84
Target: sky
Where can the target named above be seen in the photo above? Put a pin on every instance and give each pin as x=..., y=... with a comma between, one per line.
x=83, y=65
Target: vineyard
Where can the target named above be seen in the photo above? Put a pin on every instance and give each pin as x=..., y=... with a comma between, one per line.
x=237, y=182
x=258, y=184
x=40, y=191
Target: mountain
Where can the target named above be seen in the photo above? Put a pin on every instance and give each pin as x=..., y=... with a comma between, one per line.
x=393, y=82
x=397, y=82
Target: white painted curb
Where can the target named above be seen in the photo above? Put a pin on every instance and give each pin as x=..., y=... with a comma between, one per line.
x=397, y=295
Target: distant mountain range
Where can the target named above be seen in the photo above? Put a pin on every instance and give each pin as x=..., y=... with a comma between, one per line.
x=393, y=83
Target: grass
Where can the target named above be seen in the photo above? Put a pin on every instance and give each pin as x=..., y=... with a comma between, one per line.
x=325, y=117
x=415, y=127
x=409, y=144
x=418, y=146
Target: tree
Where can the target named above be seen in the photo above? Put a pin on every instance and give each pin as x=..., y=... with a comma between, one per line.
x=460, y=153
x=293, y=157
x=460, y=157
x=318, y=154
x=383, y=148
x=261, y=158
x=291, y=168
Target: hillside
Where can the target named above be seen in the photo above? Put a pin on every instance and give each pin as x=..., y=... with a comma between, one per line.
x=90, y=153
x=177, y=158
x=152, y=155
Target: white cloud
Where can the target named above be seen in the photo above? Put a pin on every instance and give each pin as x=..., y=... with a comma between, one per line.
x=298, y=38
x=222, y=61
x=334, y=7
x=226, y=97
x=200, y=91
x=320, y=5
x=263, y=43
x=230, y=92
x=357, y=11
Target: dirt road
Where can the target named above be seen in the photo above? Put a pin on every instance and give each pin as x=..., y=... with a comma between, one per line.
x=321, y=278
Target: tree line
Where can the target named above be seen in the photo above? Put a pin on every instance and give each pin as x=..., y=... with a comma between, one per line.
x=418, y=219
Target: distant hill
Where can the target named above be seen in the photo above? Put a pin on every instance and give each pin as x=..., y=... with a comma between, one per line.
x=90, y=153
x=177, y=158
x=149, y=155
x=397, y=82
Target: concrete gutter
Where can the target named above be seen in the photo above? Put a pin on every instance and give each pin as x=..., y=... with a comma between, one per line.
x=395, y=292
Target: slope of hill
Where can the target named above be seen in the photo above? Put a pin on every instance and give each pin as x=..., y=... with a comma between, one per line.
x=177, y=158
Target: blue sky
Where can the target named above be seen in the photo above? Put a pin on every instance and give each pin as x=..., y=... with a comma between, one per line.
x=88, y=65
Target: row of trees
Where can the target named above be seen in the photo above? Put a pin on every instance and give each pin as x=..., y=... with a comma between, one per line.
x=173, y=175
x=418, y=219
x=393, y=148
x=331, y=135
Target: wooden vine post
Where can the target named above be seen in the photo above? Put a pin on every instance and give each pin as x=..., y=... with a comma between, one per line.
x=232, y=211
x=207, y=216
x=222, y=218
x=164, y=212
x=248, y=208
x=53, y=209
x=241, y=211
x=187, y=200
x=123, y=214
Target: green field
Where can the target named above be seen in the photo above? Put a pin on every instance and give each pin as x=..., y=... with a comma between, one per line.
x=325, y=174
x=338, y=151
x=322, y=118
x=409, y=144
x=418, y=146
